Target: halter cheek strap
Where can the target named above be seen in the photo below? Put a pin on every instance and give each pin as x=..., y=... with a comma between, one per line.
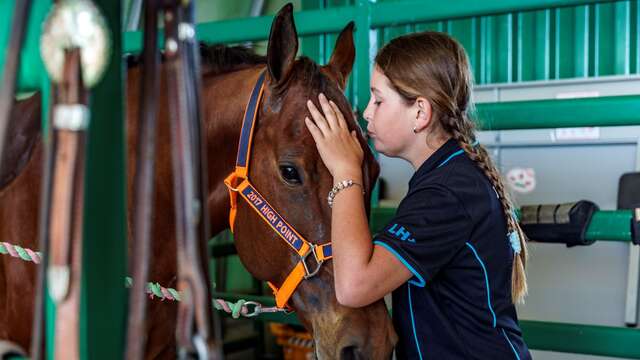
x=311, y=256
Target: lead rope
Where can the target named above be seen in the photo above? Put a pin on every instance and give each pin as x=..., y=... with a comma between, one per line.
x=237, y=309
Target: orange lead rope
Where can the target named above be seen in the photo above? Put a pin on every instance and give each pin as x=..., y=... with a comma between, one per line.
x=238, y=183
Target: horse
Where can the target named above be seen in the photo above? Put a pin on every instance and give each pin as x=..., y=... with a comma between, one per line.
x=285, y=167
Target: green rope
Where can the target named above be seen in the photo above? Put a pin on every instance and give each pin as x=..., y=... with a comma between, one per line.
x=235, y=309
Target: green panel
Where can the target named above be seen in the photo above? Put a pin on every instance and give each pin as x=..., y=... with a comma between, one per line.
x=313, y=46
x=581, y=41
x=526, y=36
x=486, y=51
x=634, y=30
x=565, y=42
x=622, y=40
x=605, y=39
x=432, y=26
x=497, y=44
x=105, y=237
x=465, y=32
x=551, y=61
x=543, y=51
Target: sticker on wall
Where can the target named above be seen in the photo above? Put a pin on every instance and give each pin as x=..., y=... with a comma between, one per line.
x=522, y=180
x=581, y=133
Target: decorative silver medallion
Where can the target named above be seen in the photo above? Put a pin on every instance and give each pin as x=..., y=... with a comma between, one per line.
x=76, y=24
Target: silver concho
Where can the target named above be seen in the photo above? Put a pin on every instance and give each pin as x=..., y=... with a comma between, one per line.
x=76, y=24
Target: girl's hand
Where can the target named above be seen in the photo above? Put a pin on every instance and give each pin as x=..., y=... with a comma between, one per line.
x=339, y=149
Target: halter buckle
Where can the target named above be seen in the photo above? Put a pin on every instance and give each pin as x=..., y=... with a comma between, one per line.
x=303, y=259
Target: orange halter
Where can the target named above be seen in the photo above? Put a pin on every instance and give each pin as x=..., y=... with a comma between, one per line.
x=238, y=183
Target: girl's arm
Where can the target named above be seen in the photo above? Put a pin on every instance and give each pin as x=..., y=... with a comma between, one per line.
x=363, y=272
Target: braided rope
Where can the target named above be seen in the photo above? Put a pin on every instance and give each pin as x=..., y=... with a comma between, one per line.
x=20, y=252
x=155, y=290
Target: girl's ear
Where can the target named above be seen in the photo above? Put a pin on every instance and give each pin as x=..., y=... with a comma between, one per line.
x=423, y=112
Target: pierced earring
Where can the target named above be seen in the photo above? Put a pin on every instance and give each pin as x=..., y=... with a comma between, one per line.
x=415, y=130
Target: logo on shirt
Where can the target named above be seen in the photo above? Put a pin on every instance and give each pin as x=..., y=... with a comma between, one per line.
x=401, y=233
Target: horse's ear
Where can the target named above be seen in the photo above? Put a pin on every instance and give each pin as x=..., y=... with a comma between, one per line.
x=283, y=45
x=343, y=55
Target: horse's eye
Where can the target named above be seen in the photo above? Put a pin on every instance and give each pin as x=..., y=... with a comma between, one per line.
x=290, y=174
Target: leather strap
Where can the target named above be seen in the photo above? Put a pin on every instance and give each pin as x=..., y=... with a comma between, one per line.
x=144, y=185
x=66, y=216
x=12, y=66
x=195, y=329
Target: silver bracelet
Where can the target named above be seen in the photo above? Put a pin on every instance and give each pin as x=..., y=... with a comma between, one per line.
x=341, y=185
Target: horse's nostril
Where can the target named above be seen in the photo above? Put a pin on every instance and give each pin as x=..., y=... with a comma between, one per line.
x=350, y=353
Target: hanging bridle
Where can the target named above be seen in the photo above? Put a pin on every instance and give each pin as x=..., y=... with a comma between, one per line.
x=238, y=183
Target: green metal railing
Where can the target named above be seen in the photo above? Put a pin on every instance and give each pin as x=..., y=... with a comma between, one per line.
x=549, y=336
x=604, y=225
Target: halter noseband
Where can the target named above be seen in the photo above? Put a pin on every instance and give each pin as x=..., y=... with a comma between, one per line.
x=238, y=183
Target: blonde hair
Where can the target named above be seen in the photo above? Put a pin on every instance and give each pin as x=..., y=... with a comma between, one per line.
x=435, y=66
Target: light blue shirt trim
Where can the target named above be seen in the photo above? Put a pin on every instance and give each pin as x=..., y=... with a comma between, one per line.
x=421, y=282
x=413, y=323
x=486, y=279
x=510, y=344
x=451, y=157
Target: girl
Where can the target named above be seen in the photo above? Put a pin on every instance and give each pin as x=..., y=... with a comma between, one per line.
x=453, y=255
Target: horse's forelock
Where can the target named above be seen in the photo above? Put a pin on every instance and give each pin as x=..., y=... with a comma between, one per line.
x=315, y=79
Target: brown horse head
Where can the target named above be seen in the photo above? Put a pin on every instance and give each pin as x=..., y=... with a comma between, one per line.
x=286, y=168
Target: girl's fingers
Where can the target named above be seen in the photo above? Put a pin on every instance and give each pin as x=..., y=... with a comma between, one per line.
x=318, y=118
x=328, y=111
x=342, y=123
x=354, y=136
x=313, y=129
x=316, y=134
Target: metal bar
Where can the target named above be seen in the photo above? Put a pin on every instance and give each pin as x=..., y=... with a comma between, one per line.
x=560, y=113
x=610, y=226
x=582, y=339
x=633, y=272
x=604, y=226
x=103, y=314
x=257, y=28
x=132, y=22
x=407, y=12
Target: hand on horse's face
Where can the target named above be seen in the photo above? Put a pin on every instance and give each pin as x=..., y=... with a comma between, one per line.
x=339, y=149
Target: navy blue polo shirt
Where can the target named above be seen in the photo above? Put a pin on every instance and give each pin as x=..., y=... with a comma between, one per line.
x=450, y=232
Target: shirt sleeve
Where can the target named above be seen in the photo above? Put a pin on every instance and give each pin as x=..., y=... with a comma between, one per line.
x=429, y=228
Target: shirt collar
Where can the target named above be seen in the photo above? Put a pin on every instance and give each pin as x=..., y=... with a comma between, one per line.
x=443, y=154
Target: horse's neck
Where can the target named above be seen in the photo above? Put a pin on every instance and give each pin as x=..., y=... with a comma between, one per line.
x=224, y=98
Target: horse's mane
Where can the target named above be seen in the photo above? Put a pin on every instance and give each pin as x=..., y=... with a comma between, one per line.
x=216, y=59
x=221, y=59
